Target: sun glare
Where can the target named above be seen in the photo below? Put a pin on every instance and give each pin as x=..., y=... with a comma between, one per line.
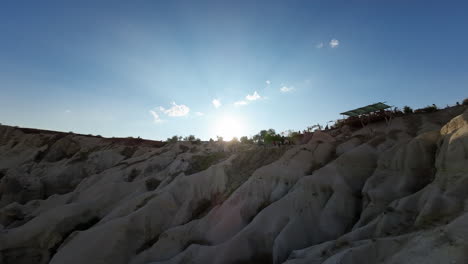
x=229, y=127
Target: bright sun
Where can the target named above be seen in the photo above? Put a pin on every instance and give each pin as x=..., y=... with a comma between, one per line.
x=229, y=127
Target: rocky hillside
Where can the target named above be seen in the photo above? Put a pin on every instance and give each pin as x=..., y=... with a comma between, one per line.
x=386, y=193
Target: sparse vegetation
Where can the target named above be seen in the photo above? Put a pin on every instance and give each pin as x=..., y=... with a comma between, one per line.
x=189, y=138
x=192, y=139
x=428, y=109
x=396, y=112
x=407, y=109
x=267, y=137
x=270, y=136
x=132, y=175
x=128, y=152
x=173, y=139
x=151, y=184
x=293, y=135
x=246, y=140
x=203, y=162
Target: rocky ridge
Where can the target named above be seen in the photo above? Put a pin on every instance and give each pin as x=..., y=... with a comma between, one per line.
x=386, y=193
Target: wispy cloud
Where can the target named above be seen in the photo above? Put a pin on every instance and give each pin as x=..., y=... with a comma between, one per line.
x=319, y=45
x=239, y=103
x=334, y=43
x=175, y=110
x=68, y=111
x=156, y=117
x=199, y=114
x=216, y=103
x=286, y=89
x=253, y=97
x=268, y=82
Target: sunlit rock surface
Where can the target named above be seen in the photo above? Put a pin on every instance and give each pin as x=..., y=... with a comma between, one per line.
x=386, y=193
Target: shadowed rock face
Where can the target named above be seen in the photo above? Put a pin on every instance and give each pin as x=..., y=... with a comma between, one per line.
x=383, y=194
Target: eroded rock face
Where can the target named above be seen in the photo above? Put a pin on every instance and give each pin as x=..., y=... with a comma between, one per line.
x=391, y=193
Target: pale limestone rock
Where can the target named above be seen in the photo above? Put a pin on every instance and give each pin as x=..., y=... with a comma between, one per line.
x=387, y=193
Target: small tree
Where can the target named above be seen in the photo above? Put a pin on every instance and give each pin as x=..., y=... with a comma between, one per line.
x=173, y=139
x=407, y=109
x=267, y=136
x=219, y=138
x=465, y=102
x=235, y=140
x=256, y=138
x=244, y=140
x=431, y=108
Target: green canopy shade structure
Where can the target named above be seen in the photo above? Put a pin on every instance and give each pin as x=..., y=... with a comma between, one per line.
x=366, y=109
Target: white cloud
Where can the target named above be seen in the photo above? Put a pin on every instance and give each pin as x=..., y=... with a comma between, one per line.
x=156, y=117
x=239, y=103
x=199, y=113
x=253, y=97
x=334, y=43
x=248, y=98
x=216, y=103
x=268, y=82
x=319, y=46
x=286, y=89
x=175, y=110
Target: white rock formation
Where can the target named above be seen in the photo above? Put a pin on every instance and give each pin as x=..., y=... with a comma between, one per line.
x=391, y=193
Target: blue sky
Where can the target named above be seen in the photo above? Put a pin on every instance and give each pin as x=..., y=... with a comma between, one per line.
x=154, y=68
